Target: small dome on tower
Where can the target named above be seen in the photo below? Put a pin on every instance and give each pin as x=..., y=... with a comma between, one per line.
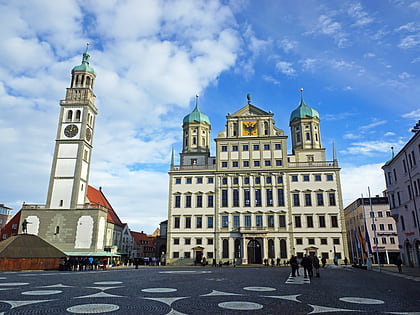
x=85, y=63
x=303, y=110
x=196, y=115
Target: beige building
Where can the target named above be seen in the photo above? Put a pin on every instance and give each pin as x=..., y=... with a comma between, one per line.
x=253, y=200
x=374, y=215
x=402, y=175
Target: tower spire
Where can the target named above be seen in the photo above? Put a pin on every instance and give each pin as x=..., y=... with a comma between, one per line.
x=301, y=96
x=248, y=96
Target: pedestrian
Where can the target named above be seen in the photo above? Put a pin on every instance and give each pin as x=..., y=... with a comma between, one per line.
x=294, y=264
x=399, y=263
x=306, y=263
x=278, y=261
x=266, y=262
x=136, y=263
x=345, y=261
x=336, y=260
x=272, y=262
x=324, y=261
x=315, y=263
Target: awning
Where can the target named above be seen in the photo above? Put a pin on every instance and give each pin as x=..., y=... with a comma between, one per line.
x=93, y=254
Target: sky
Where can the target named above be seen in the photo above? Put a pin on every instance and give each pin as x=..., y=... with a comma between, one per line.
x=357, y=61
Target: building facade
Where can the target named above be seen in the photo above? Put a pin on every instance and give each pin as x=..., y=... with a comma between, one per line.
x=4, y=215
x=76, y=218
x=402, y=176
x=253, y=200
x=374, y=215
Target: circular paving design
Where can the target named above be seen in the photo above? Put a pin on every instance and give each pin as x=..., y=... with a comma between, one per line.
x=108, y=282
x=359, y=300
x=159, y=290
x=42, y=292
x=93, y=308
x=260, y=289
x=240, y=306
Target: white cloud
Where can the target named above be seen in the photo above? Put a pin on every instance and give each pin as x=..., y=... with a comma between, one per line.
x=285, y=68
x=270, y=79
x=404, y=75
x=356, y=180
x=410, y=41
x=369, y=55
x=362, y=17
x=409, y=27
x=309, y=64
x=328, y=26
x=372, y=125
x=352, y=136
x=415, y=114
x=369, y=148
x=288, y=45
x=389, y=133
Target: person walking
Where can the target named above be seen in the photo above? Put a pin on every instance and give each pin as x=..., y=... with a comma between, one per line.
x=315, y=263
x=294, y=264
x=307, y=266
x=399, y=263
x=324, y=261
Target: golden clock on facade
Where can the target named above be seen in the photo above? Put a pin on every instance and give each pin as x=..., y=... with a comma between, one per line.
x=249, y=128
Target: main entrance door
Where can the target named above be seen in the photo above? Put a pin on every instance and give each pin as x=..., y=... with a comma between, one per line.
x=254, y=252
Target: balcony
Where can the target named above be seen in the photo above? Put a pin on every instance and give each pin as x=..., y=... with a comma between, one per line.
x=313, y=164
x=193, y=167
x=252, y=229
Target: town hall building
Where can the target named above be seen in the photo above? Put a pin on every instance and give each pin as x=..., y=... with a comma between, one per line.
x=253, y=200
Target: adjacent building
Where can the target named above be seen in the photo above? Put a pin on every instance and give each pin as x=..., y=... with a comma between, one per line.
x=4, y=215
x=374, y=215
x=402, y=176
x=254, y=200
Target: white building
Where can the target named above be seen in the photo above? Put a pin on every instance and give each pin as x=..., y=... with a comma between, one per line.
x=402, y=175
x=253, y=200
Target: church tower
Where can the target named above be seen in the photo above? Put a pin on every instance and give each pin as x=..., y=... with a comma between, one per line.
x=304, y=127
x=196, y=138
x=70, y=168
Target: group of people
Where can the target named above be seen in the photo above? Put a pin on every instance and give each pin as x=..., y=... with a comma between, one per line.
x=308, y=263
x=84, y=263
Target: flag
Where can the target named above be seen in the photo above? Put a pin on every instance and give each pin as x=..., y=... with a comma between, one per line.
x=362, y=241
x=369, y=247
x=356, y=238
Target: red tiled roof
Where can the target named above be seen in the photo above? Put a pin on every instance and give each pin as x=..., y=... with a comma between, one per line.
x=7, y=229
x=96, y=197
x=138, y=237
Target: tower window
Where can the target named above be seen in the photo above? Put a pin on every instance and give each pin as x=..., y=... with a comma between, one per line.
x=69, y=115
x=78, y=113
x=194, y=140
x=308, y=136
x=57, y=229
x=88, y=81
x=61, y=202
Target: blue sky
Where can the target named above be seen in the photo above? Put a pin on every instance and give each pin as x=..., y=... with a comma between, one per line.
x=358, y=62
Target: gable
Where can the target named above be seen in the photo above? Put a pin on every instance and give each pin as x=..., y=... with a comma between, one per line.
x=250, y=110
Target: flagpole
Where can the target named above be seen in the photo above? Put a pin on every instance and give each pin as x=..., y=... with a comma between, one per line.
x=363, y=246
x=374, y=232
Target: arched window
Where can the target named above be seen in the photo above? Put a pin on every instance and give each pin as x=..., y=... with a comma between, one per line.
x=237, y=248
x=57, y=229
x=194, y=140
x=298, y=137
x=283, y=250
x=271, y=252
x=78, y=113
x=266, y=128
x=308, y=136
x=88, y=81
x=69, y=115
x=225, y=253
x=83, y=80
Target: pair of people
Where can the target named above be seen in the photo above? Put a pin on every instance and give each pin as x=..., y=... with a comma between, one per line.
x=307, y=263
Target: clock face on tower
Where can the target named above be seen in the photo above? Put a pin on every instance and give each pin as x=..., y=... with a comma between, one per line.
x=249, y=128
x=88, y=134
x=70, y=131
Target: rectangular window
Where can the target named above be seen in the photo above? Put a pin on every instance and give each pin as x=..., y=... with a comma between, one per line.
x=321, y=221
x=210, y=222
x=246, y=180
x=198, y=241
x=225, y=221
x=317, y=178
x=373, y=226
x=224, y=181
x=235, y=164
x=296, y=201
x=392, y=240
x=256, y=147
x=199, y=222
x=177, y=222
x=177, y=180
x=235, y=180
x=234, y=148
x=277, y=146
x=224, y=198
x=224, y=148
x=390, y=227
x=256, y=163
x=294, y=178
x=236, y=198
x=258, y=197
x=199, y=180
x=266, y=147
x=210, y=180
x=210, y=241
x=176, y=241
x=268, y=179
x=310, y=221
x=308, y=200
x=224, y=164
x=189, y=180
x=187, y=241
x=282, y=221
x=236, y=221
x=177, y=201
x=334, y=221
x=246, y=163
x=306, y=178
x=269, y=197
x=257, y=180
x=329, y=177
x=331, y=197
x=209, y=201
x=380, y=214
x=336, y=241
x=258, y=220
x=280, y=197
x=324, y=241
x=388, y=213
x=267, y=163
x=188, y=222
x=280, y=180
x=187, y=201
x=298, y=222
x=299, y=241
x=279, y=163
x=270, y=221
x=175, y=254
x=248, y=221
x=247, y=198
x=384, y=240
x=199, y=201
x=311, y=241
x=382, y=227
x=320, y=199
x=245, y=147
